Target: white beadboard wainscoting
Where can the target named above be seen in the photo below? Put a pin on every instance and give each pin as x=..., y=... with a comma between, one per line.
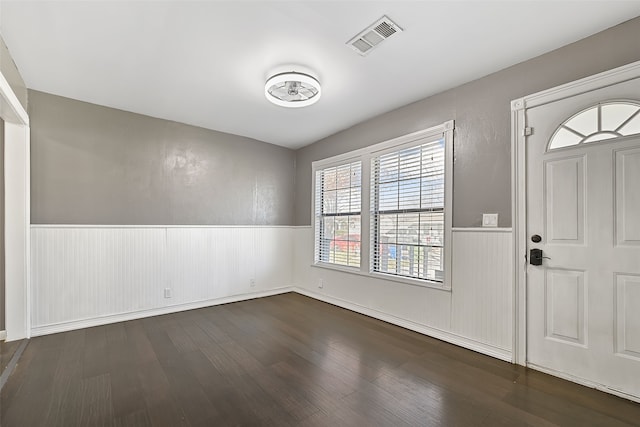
x=85, y=276
x=476, y=313
x=91, y=275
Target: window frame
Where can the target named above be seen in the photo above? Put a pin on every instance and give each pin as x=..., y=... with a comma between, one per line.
x=395, y=149
x=318, y=233
x=365, y=155
x=615, y=133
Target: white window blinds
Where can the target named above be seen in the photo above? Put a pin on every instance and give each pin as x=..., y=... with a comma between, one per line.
x=337, y=214
x=407, y=204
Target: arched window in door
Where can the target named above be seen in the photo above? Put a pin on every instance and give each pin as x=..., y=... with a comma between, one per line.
x=597, y=123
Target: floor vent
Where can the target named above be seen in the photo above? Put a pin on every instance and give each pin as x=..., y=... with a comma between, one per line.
x=371, y=37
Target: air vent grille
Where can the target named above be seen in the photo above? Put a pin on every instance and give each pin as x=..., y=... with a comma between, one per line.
x=372, y=38
x=362, y=45
x=385, y=29
x=374, y=35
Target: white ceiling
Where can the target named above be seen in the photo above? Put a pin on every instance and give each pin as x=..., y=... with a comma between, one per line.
x=205, y=63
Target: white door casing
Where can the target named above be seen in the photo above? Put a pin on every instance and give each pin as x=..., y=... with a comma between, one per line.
x=582, y=320
x=17, y=214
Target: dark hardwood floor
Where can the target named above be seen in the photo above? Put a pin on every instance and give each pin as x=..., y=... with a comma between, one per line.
x=7, y=350
x=281, y=361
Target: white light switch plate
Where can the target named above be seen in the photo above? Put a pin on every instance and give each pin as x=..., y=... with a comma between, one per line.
x=490, y=220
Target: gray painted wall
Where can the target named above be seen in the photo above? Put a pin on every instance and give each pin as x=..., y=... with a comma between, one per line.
x=93, y=164
x=98, y=165
x=481, y=109
x=11, y=73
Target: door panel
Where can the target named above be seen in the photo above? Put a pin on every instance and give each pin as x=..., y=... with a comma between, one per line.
x=564, y=191
x=583, y=302
x=565, y=305
x=628, y=196
x=628, y=314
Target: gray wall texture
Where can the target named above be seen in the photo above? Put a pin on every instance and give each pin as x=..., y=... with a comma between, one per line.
x=98, y=165
x=481, y=110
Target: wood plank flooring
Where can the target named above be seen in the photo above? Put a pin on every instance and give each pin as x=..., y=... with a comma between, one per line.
x=286, y=360
x=7, y=350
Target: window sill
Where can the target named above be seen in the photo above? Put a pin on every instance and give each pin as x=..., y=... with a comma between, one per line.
x=341, y=268
x=382, y=276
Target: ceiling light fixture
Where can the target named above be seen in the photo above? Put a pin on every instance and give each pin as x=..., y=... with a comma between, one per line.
x=292, y=89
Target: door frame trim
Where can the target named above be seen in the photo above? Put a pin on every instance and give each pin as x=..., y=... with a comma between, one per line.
x=17, y=218
x=519, y=184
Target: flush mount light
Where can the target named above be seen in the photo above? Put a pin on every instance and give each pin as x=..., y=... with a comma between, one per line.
x=292, y=89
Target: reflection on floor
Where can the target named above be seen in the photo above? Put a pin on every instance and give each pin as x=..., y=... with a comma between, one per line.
x=283, y=360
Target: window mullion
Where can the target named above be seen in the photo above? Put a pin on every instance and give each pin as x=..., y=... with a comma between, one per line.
x=421, y=263
x=365, y=209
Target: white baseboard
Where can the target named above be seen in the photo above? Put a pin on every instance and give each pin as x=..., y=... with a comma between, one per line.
x=123, y=317
x=449, y=337
x=3, y=335
x=584, y=382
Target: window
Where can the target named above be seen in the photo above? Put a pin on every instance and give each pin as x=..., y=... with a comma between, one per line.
x=407, y=204
x=338, y=204
x=385, y=210
x=603, y=121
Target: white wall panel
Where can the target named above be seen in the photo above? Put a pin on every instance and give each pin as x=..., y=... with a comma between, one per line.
x=207, y=263
x=273, y=257
x=416, y=304
x=211, y=263
x=482, y=296
x=81, y=273
x=84, y=275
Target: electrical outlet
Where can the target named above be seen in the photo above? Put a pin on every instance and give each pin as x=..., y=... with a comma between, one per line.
x=320, y=283
x=167, y=292
x=490, y=220
x=252, y=283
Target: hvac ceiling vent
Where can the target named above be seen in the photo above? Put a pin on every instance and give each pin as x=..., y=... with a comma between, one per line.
x=371, y=37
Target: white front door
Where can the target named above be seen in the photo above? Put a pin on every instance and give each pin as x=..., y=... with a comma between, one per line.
x=583, y=201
